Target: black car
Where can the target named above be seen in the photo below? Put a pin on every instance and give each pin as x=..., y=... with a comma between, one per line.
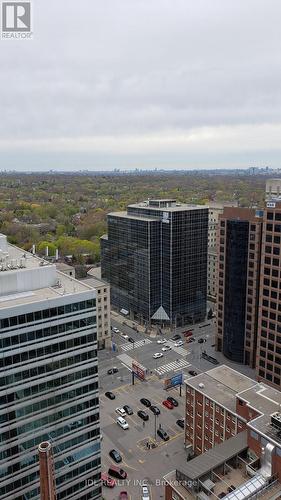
x=163, y=434
x=176, y=337
x=192, y=372
x=128, y=410
x=201, y=341
x=142, y=414
x=113, y=370
x=155, y=410
x=145, y=402
x=180, y=423
x=115, y=455
x=110, y=395
x=173, y=401
x=130, y=339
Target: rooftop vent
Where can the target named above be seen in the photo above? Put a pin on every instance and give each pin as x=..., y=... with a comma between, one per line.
x=201, y=385
x=276, y=420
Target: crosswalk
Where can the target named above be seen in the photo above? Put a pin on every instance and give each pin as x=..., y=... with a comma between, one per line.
x=178, y=350
x=139, y=343
x=172, y=366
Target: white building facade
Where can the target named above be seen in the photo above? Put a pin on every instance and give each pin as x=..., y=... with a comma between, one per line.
x=48, y=378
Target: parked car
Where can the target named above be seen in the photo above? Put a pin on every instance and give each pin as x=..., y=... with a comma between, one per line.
x=188, y=333
x=109, y=395
x=190, y=339
x=123, y=495
x=117, y=472
x=107, y=480
x=180, y=423
x=192, y=372
x=179, y=343
x=201, y=341
x=128, y=409
x=143, y=415
x=176, y=337
x=115, y=455
x=166, y=348
x=155, y=410
x=113, y=370
x=157, y=355
x=172, y=400
x=145, y=493
x=161, y=341
x=123, y=423
x=163, y=434
x=116, y=330
x=145, y=402
x=168, y=404
x=121, y=412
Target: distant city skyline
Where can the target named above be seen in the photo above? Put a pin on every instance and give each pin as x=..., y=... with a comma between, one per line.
x=179, y=84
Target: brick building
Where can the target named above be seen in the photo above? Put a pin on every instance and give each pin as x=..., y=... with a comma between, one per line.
x=233, y=425
x=238, y=274
x=269, y=327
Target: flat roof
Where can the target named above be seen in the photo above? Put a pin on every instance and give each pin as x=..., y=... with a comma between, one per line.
x=94, y=282
x=62, y=266
x=178, y=207
x=28, y=278
x=124, y=215
x=266, y=400
x=213, y=458
x=221, y=384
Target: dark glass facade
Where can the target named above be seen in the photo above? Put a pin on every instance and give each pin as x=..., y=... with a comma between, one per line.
x=155, y=259
x=236, y=268
x=49, y=392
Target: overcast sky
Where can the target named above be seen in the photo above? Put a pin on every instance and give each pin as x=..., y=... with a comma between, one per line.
x=143, y=83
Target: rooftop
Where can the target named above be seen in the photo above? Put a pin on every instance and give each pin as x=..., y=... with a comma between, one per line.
x=266, y=401
x=167, y=205
x=124, y=215
x=94, y=282
x=25, y=278
x=221, y=384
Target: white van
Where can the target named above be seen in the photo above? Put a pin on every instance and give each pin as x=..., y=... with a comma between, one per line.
x=122, y=422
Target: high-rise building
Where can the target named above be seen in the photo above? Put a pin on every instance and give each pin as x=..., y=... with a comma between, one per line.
x=48, y=378
x=273, y=189
x=238, y=274
x=103, y=309
x=269, y=328
x=215, y=209
x=155, y=259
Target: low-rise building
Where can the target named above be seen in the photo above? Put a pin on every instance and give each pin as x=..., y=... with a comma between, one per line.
x=233, y=426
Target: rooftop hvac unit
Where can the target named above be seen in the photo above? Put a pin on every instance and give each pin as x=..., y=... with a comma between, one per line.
x=276, y=420
x=201, y=385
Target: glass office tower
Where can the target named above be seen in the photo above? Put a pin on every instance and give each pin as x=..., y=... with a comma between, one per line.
x=155, y=259
x=48, y=379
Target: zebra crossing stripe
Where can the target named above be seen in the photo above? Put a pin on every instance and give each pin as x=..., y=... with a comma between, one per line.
x=174, y=365
x=138, y=343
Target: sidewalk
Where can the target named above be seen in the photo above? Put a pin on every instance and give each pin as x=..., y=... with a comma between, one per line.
x=133, y=324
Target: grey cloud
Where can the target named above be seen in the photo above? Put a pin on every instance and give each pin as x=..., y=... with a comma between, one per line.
x=117, y=68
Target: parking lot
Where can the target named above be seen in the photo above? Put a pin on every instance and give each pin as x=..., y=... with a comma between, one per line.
x=141, y=463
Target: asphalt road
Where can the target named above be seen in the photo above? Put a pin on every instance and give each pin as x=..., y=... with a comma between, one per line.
x=141, y=464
